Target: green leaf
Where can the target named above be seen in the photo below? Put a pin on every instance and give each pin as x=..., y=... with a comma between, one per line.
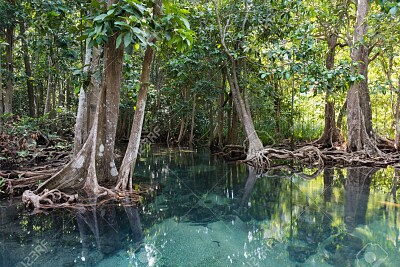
x=186, y=22
x=76, y=72
x=127, y=39
x=119, y=40
x=100, y=17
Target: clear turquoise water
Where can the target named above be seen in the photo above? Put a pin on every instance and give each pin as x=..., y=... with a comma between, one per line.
x=210, y=213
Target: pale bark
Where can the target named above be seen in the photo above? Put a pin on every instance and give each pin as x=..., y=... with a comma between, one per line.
x=92, y=164
x=254, y=142
x=129, y=161
x=82, y=104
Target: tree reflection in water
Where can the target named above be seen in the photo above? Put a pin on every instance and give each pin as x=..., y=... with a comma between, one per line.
x=99, y=226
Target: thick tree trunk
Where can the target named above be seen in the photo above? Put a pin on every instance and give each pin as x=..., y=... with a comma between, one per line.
x=8, y=96
x=359, y=114
x=94, y=86
x=331, y=134
x=94, y=163
x=28, y=70
x=112, y=78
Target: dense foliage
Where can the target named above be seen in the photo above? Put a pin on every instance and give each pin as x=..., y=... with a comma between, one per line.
x=281, y=47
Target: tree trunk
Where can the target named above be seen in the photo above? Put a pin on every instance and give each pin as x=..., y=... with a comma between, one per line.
x=254, y=142
x=192, y=121
x=48, y=107
x=129, y=161
x=94, y=163
x=94, y=86
x=234, y=133
x=182, y=130
x=277, y=105
x=82, y=104
x=28, y=71
x=221, y=113
x=229, y=118
x=8, y=96
x=331, y=133
x=132, y=150
x=211, y=114
x=68, y=94
x=342, y=112
x=359, y=114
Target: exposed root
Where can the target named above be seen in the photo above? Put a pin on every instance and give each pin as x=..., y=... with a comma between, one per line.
x=312, y=156
x=309, y=155
x=54, y=197
x=51, y=199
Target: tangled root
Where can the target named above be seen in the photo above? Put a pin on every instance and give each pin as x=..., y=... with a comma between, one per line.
x=47, y=198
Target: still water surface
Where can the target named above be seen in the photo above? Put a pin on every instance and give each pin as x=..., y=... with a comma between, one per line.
x=210, y=213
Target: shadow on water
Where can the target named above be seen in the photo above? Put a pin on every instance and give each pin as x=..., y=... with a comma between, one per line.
x=228, y=214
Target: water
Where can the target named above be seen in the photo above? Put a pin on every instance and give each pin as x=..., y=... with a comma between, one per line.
x=209, y=213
